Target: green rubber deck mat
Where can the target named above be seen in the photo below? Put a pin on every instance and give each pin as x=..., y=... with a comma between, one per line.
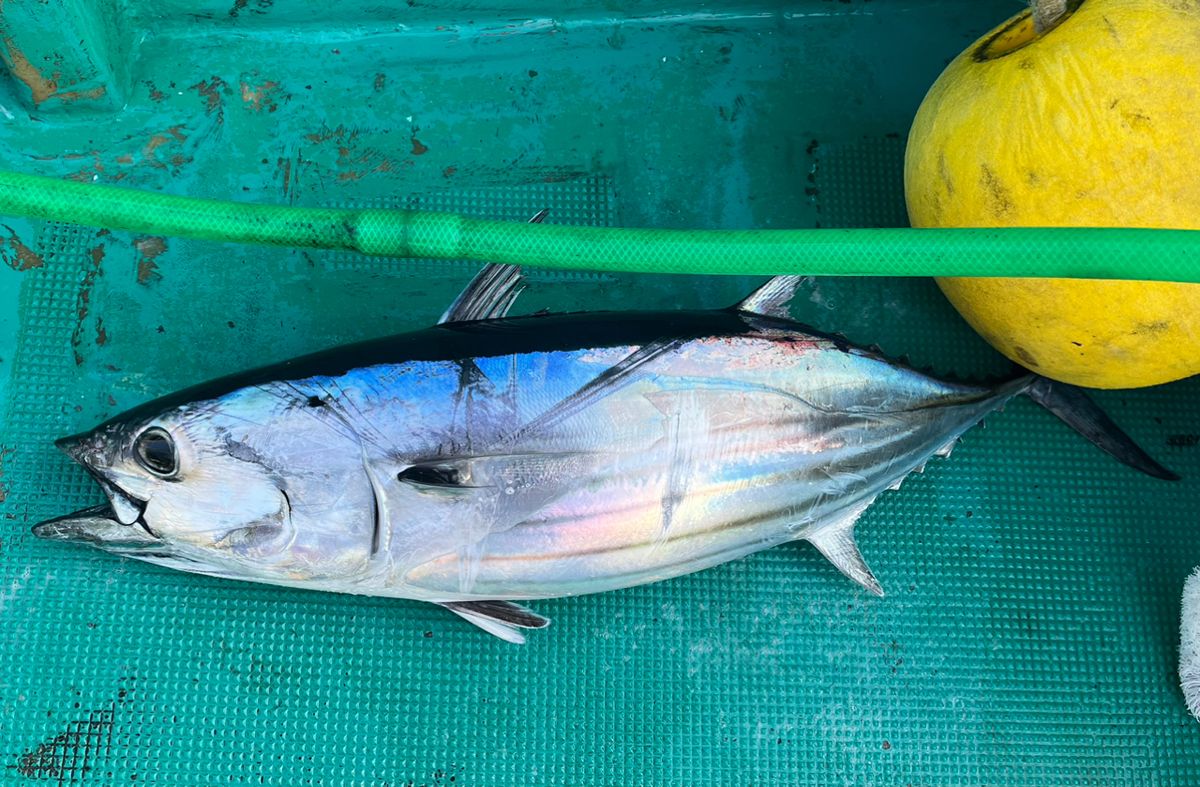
x=1029, y=631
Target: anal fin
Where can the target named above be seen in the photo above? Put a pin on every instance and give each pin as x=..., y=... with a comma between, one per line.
x=836, y=542
x=503, y=619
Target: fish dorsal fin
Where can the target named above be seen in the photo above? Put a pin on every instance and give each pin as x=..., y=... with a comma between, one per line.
x=488, y=296
x=836, y=542
x=503, y=619
x=772, y=298
x=491, y=293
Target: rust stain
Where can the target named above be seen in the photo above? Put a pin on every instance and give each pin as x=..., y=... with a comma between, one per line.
x=83, y=95
x=418, y=149
x=83, y=301
x=156, y=95
x=149, y=249
x=238, y=7
x=60, y=157
x=125, y=159
x=449, y=172
x=176, y=131
x=101, y=332
x=354, y=161
x=326, y=134
x=262, y=96
x=211, y=90
x=39, y=86
x=156, y=141
x=284, y=166
x=174, y=134
x=17, y=255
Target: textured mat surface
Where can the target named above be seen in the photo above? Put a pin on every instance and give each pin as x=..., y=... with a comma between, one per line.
x=1029, y=632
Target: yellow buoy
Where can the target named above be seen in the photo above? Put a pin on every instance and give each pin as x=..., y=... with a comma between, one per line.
x=1092, y=122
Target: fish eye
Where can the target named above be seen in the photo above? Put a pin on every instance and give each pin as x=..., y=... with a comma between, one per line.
x=155, y=451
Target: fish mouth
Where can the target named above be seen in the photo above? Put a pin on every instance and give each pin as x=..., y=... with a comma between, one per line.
x=99, y=526
x=125, y=508
x=116, y=526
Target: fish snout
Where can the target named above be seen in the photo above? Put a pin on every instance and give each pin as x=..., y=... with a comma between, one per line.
x=94, y=450
x=79, y=447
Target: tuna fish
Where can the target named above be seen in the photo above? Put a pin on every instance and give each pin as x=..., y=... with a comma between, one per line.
x=490, y=460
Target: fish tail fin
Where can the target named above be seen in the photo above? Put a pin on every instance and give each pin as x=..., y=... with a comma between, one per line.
x=1078, y=411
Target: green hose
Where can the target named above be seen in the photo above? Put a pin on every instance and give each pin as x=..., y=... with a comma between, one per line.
x=1088, y=253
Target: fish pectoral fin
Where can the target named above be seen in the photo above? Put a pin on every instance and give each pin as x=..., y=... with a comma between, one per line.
x=836, y=542
x=491, y=293
x=517, y=484
x=503, y=619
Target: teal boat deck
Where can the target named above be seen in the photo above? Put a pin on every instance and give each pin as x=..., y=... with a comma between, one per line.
x=1029, y=631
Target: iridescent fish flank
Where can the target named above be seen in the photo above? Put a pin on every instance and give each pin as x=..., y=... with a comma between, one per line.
x=490, y=460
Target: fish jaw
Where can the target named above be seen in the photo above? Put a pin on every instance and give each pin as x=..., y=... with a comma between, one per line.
x=96, y=452
x=99, y=527
x=116, y=526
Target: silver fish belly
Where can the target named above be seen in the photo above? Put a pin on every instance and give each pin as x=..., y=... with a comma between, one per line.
x=499, y=460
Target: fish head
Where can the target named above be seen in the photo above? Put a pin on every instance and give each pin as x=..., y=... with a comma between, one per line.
x=213, y=488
